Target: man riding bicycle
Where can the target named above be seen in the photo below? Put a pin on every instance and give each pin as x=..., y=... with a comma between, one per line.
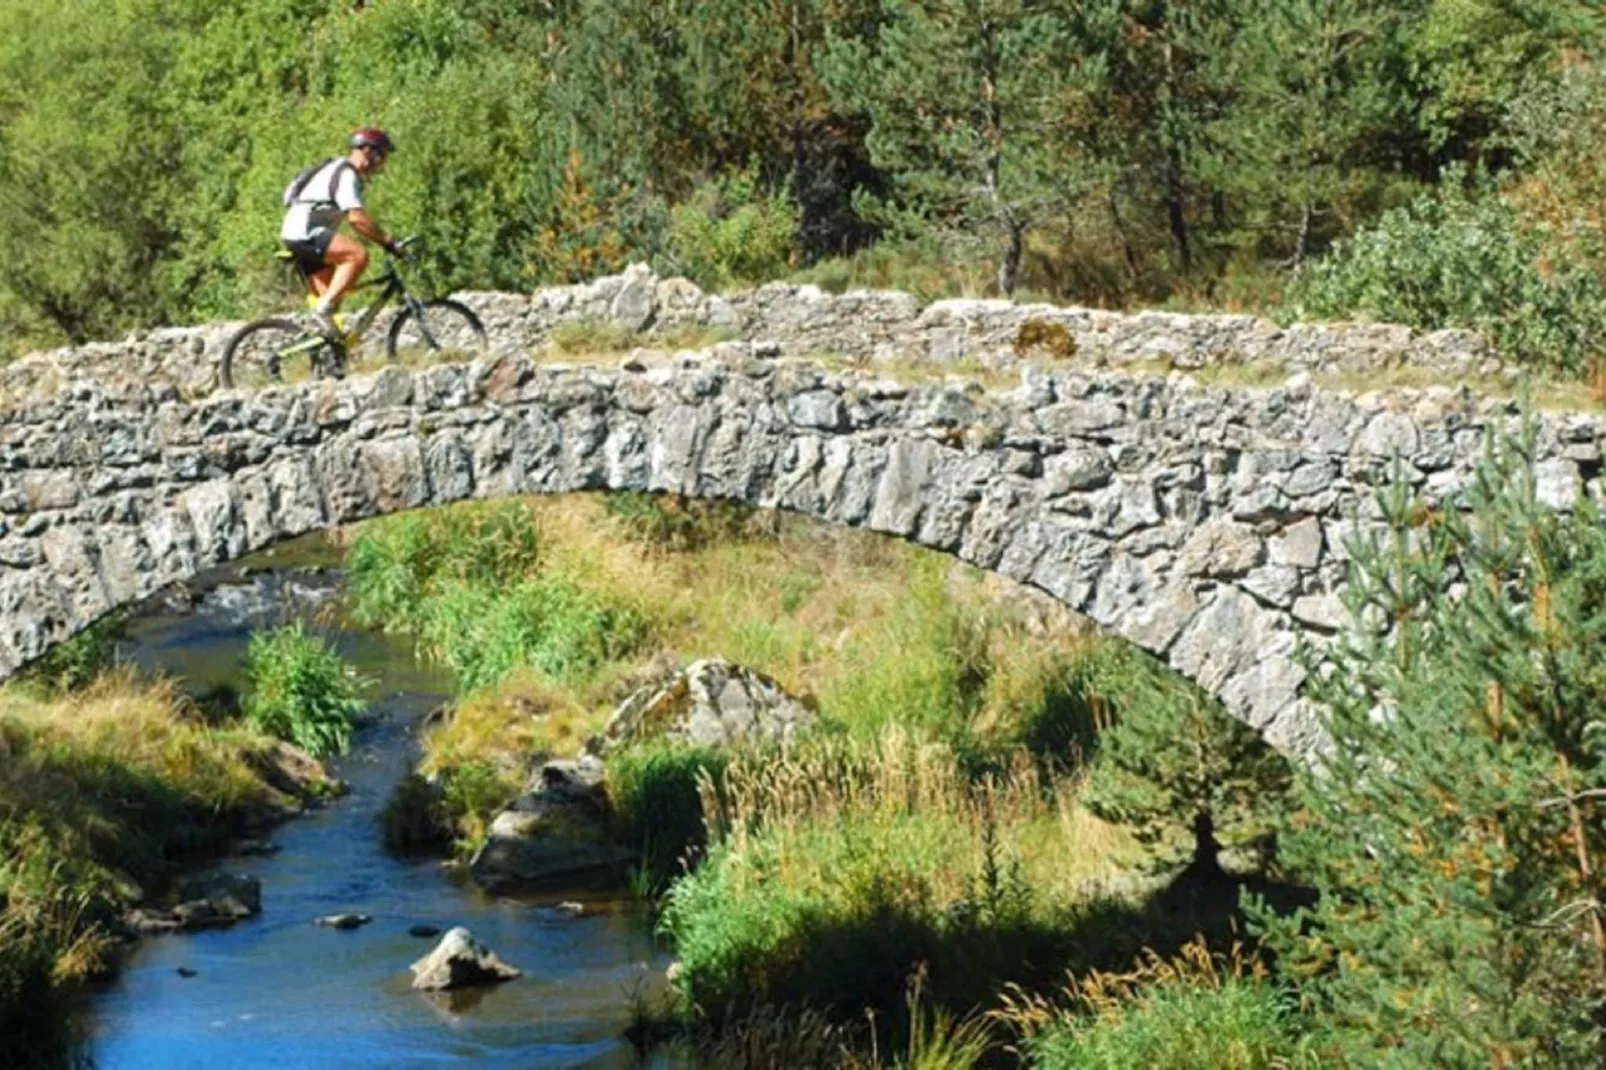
x=317, y=201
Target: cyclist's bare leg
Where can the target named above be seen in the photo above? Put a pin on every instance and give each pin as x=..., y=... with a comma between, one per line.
x=346, y=259
x=319, y=281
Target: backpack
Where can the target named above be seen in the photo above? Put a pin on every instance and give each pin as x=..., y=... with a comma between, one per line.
x=303, y=176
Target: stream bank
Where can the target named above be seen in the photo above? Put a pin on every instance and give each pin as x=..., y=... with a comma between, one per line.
x=279, y=990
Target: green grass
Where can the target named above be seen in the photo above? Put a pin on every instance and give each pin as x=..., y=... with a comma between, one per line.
x=656, y=791
x=103, y=793
x=1193, y=1012
x=299, y=689
x=836, y=872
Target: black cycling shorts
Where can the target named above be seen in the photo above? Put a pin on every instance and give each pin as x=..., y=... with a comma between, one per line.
x=309, y=253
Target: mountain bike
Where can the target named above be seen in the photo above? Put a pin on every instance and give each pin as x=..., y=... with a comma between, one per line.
x=278, y=349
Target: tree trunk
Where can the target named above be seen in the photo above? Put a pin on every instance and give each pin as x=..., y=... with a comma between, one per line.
x=1176, y=209
x=1009, y=263
x=1128, y=254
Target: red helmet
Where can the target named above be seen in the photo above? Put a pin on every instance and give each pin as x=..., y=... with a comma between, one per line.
x=371, y=137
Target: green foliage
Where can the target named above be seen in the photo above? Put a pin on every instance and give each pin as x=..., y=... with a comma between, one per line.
x=74, y=664
x=656, y=793
x=104, y=794
x=301, y=690
x=469, y=583
x=547, y=622
x=471, y=796
x=398, y=562
x=1453, y=823
x=1235, y=1023
x=959, y=97
x=926, y=667
x=677, y=524
x=1174, y=760
x=1111, y=151
x=732, y=231
x=1452, y=259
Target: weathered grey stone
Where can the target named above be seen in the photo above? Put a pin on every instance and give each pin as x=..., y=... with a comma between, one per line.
x=1388, y=434
x=555, y=832
x=1274, y=584
x=1221, y=548
x=1076, y=469
x=1298, y=545
x=711, y=702
x=1323, y=611
x=1557, y=483
x=460, y=960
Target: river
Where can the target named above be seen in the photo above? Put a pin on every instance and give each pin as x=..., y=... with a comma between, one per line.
x=278, y=991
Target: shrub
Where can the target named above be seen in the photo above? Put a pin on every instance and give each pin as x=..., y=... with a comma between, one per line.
x=835, y=872
x=471, y=796
x=412, y=818
x=301, y=690
x=733, y=231
x=397, y=562
x=102, y=794
x=1175, y=761
x=1453, y=259
x=469, y=583
x=925, y=665
x=1046, y=337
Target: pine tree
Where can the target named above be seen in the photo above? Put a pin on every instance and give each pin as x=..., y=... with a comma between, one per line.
x=960, y=97
x=1454, y=827
x=1175, y=762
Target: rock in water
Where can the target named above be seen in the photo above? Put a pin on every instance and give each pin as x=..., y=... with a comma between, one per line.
x=423, y=930
x=460, y=960
x=342, y=921
x=232, y=894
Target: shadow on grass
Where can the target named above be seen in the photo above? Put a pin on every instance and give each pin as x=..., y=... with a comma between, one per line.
x=843, y=982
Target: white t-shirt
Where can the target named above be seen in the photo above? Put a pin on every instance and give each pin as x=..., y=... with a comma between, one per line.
x=323, y=202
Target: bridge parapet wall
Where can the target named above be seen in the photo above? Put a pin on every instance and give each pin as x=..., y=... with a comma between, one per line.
x=1206, y=525
x=874, y=326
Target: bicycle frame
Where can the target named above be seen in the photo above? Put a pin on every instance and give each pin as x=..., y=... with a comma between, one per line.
x=392, y=287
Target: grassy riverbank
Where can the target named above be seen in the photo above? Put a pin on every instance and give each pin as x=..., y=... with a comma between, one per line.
x=932, y=826
x=104, y=791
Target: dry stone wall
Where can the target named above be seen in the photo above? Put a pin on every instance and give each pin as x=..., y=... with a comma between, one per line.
x=1206, y=525
x=790, y=320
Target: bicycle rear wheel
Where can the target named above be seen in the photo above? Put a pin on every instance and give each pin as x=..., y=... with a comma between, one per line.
x=435, y=330
x=271, y=352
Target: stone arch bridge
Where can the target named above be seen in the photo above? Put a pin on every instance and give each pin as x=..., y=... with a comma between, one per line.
x=1206, y=525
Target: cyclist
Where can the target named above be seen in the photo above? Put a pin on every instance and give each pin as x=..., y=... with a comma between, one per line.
x=316, y=202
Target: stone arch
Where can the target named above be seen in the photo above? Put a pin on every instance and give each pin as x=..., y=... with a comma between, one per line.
x=1202, y=525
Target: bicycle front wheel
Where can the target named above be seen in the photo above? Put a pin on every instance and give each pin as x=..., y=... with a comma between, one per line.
x=435, y=330
x=271, y=352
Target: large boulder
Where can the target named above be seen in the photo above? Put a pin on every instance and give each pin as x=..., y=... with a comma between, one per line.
x=556, y=832
x=460, y=960
x=712, y=702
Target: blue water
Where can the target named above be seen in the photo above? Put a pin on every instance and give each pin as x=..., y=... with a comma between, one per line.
x=277, y=991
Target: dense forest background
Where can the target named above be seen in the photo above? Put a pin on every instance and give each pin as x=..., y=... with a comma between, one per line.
x=1198, y=153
